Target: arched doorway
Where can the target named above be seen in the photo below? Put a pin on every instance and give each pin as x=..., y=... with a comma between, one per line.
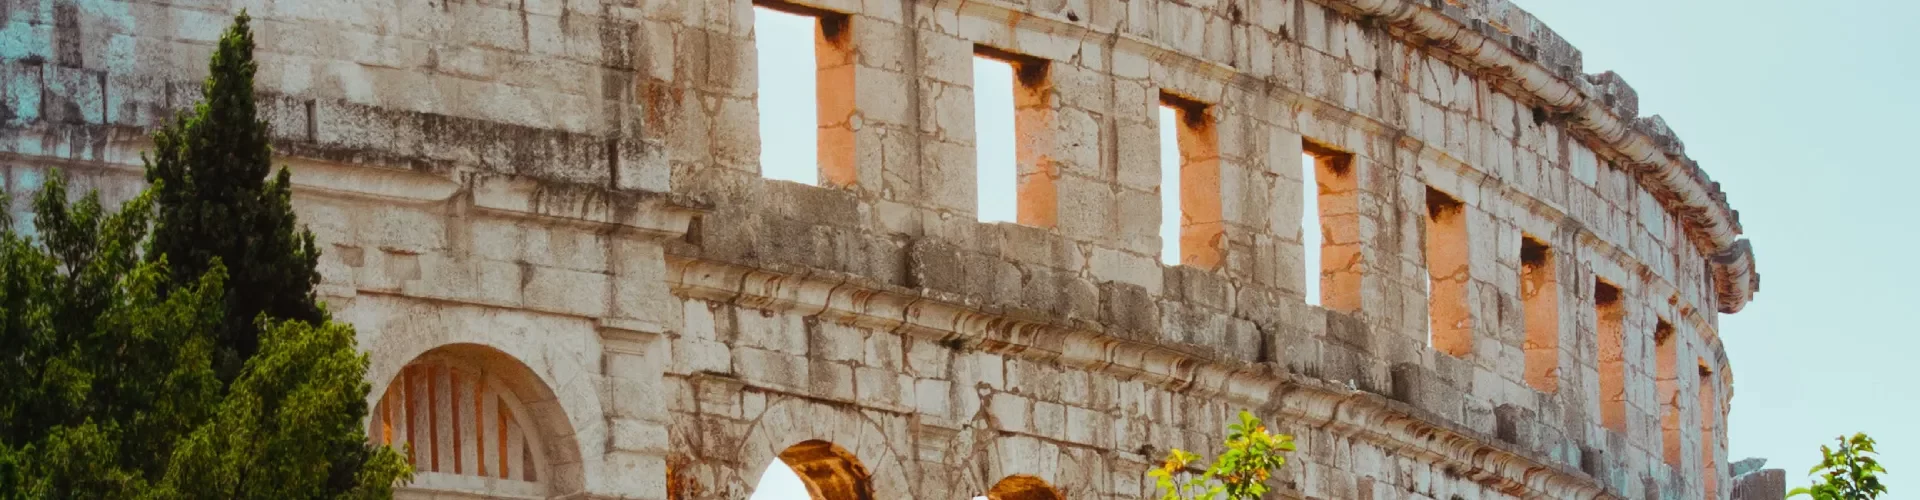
x=1022, y=487
x=814, y=470
x=467, y=418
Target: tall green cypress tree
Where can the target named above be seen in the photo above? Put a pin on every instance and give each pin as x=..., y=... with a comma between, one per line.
x=216, y=205
x=215, y=201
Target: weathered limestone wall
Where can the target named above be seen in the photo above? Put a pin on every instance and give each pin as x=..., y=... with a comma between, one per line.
x=567, y=194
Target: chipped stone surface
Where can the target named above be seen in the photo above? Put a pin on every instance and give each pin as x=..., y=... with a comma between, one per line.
x=568, y=193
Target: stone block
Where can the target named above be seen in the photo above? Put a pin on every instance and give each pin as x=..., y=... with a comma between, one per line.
x=692, y=355
x=884, y=351
x=1087, y=426
x=770, y=330
x=1129, y=268
x=1516, y=425
x=1768, y=484
x=831, y=380
x=882, y=388
x=636, y=472
x=1477, y=414
x=1419, y=387
x=1034, y=379
x=936, y=266
x=1011, y=412
x=1086, y=208
x=1344, y=364
x=771, y=368
x=928, y=359
x=1349, y=330
x=642, y=399
x=638, y=436
x=834, y=341
x=1049, y=419
x=987, y=369
x=1198, y=287
x=932, y=397
x=1128, y=310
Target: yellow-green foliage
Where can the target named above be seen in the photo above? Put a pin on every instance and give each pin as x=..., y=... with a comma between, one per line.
x=1848, y=473
x=1241, y=473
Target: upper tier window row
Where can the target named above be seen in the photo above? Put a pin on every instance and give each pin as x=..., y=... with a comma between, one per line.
x=808, y=134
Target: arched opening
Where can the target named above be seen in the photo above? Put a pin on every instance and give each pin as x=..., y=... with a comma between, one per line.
x=1022, y=487
x=814, y=470
x=466, y=421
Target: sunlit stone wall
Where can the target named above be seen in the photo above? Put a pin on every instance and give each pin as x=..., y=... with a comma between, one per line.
x=557, y=207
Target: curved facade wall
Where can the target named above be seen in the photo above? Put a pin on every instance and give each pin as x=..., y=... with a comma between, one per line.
x=567, y=194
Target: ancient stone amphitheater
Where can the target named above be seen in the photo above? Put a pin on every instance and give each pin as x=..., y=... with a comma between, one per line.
x=548, y=222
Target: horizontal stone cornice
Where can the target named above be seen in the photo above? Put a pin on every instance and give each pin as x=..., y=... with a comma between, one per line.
x=1338, y=408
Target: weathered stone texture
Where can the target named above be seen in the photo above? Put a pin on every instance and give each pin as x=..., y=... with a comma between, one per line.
x=568, y=193
x=1767, y=484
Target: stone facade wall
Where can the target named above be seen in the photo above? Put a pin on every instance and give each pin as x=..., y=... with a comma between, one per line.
x=567, y=194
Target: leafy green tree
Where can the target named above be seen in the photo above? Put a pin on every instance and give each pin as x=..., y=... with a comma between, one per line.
x=131, y=375
x=1847, y=473
x=101, y=372
x=1241, y=473
x=112, y=392
x=294, y=399
x=210, y=170
x=216, y=204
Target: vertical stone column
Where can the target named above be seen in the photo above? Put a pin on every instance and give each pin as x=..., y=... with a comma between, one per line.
x=1286, y=204
x=697, y=85
x=1247, y=182
x=885, y=143
x=1134, y=156
x=634, y=358
x=948, y=179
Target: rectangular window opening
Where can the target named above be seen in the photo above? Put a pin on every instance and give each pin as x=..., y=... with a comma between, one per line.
x=1311, y=234
x=1610, y=313
x=1667, y=380
x=1012, y=115
x=1540, y=301
x=1192, y=229
x=1335, y=207
x=1450, y=320
x=806, y=94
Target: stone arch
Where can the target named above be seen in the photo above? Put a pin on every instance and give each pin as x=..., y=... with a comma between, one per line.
x=469, y=419
x=1008, y=455
x=990, y=452
x=536, y=356
x=828, y=447
x=829, y=471
x=1023, y=487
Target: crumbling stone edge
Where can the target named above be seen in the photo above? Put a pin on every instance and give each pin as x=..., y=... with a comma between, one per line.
x=1599, y=107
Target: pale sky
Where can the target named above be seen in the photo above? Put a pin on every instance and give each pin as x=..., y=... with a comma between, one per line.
x=1799, y=109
